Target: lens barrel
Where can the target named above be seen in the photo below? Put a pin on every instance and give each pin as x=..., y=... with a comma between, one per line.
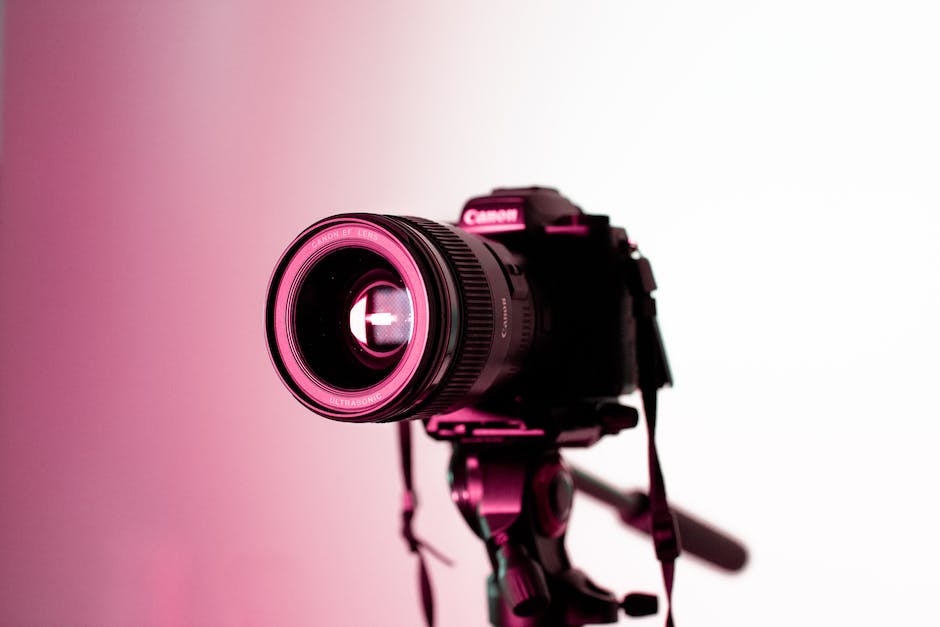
x=375, y=318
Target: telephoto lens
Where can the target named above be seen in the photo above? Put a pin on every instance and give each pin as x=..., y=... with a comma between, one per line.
x=376, y=318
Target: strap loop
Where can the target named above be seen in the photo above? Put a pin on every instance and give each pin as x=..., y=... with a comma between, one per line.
x=662, y=522
x=409, y=504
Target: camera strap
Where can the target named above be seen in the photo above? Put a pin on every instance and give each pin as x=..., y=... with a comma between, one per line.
x=409, y=505
x=654, y=373
x=662, y=522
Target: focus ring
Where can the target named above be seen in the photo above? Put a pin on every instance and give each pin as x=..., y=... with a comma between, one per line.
x=477, y=324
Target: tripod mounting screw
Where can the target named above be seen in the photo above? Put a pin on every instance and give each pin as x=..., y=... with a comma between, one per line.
x=639, y=604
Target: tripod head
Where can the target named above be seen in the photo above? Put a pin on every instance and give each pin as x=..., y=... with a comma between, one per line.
x=515, y=492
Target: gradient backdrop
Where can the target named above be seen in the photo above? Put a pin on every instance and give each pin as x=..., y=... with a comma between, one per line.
x=777, y=162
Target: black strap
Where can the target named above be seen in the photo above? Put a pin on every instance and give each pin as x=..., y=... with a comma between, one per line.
x=415, y=545
x=653, y=374
x=662, y=523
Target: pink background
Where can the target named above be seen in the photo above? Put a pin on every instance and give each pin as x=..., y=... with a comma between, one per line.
x=777, y=163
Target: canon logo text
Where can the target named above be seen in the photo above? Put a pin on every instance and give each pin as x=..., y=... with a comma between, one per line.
x=490, y=216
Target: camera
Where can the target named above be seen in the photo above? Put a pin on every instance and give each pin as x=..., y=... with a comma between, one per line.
x=526, y=307
x=511, y=334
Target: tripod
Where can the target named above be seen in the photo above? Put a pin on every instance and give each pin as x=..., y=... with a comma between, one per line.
x=515, y=492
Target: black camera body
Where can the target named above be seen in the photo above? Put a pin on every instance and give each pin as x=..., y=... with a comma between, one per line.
x=573, y=268
x=587, y=313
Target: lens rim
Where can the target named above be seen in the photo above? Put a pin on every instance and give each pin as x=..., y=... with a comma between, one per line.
x=308, y=249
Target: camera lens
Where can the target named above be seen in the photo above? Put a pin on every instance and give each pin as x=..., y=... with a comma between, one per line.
x=376, y=318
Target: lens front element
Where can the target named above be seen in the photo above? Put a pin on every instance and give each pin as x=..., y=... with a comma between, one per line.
x=352, y=318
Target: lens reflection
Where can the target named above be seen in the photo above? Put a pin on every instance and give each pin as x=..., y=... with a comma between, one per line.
x=381, y=318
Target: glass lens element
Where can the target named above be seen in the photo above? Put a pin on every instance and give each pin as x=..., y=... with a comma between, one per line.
x=381, y=318
x=353, y=318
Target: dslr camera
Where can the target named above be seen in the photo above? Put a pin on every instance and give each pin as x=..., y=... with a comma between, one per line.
x=529, y=311
x=511, y=334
